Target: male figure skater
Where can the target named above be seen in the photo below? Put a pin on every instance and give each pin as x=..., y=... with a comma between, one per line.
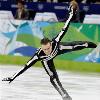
x=49, y=50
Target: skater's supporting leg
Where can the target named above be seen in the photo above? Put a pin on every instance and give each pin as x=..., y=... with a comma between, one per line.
x=51, y=71
x=58, y=86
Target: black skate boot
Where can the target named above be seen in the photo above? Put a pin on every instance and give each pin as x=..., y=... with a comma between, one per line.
x=67, y=97
x=91, y=45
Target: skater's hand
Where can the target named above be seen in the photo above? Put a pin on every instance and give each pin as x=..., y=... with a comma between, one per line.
x=10, y=79
x=70, y=9
x=75, y=5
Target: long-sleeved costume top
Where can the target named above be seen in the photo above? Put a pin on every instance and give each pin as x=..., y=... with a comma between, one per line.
x=57, y=49
x=47, y=60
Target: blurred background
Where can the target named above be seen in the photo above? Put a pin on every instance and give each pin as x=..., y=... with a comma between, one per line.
x=23, y=23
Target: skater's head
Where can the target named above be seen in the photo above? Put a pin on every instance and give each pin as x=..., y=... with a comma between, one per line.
x=46, y=46
x=20, y=4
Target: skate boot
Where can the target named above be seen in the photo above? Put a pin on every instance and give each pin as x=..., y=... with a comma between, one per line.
x=67, y=97
x=91, y=45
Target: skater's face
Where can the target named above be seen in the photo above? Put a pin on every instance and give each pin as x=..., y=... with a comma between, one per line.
x=20, y=6
x=47, y=48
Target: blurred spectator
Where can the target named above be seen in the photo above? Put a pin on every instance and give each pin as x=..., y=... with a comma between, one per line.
x=97, y=2
x=22, y=12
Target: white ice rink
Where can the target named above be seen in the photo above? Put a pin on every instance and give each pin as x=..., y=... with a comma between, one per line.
x=34, y=85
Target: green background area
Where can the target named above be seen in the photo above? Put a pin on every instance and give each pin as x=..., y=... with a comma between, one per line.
x=76, y=32
x=29, y=39
x=60, y=64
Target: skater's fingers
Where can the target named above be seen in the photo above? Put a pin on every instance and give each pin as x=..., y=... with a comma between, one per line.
x=6, y=79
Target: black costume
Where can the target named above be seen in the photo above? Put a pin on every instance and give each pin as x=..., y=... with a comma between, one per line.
x=57, y=49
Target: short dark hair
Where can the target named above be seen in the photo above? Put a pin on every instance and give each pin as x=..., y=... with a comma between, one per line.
x=45, y=40
x=21, y=1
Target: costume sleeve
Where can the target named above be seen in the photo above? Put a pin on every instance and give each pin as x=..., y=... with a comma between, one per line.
x=66, y=25
x=32, y=61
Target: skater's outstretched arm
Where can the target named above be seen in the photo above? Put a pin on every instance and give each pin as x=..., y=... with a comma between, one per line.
x=32, y=61
x=66, y=25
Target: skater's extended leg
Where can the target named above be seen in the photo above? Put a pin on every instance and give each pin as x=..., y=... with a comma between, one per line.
x=75, y=45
